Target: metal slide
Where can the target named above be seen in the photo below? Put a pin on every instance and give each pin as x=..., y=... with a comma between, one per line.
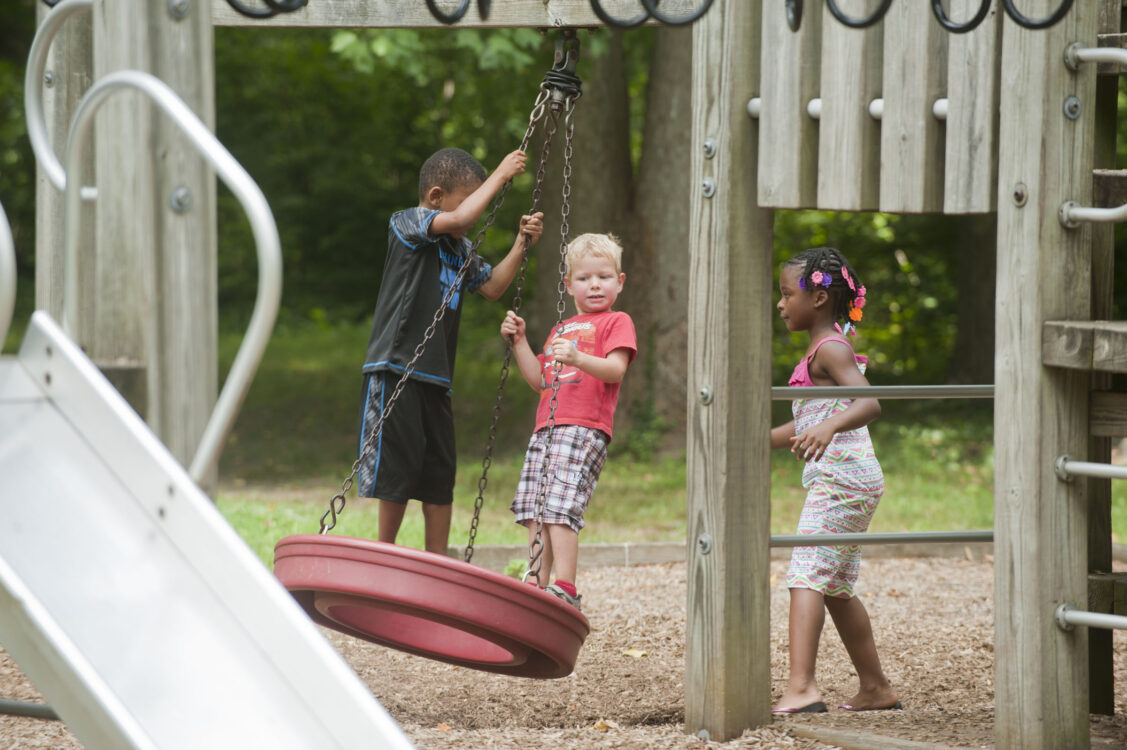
x=126, y=597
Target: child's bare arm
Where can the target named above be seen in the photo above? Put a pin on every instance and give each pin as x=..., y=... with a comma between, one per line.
x=782, y=436
x=513, y=329
x=609, y=369
x=461, y=219
x=505, y=271
x=838, y=365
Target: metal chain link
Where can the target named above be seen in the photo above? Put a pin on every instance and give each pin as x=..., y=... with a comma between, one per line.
x=536, y=546
x=537, y=190
x=337, y=502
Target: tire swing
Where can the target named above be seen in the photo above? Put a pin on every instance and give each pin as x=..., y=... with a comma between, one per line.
x=431, y=605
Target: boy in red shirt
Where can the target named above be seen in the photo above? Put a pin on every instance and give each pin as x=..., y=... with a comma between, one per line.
x=588, y=354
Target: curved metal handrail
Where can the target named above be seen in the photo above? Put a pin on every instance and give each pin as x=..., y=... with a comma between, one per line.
x=955, y=27
x=7, y=276
x=1072, y=213
x=33, y=93
x=262, y=226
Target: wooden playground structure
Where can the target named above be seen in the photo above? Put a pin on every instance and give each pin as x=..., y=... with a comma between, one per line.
x=901, y=116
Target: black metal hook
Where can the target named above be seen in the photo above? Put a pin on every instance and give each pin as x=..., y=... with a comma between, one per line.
x=610, y=20
x=959, y=28
x=651, y=8
x=448, y=18
x=1044, y=23
x=859, y=23
x=794, y=14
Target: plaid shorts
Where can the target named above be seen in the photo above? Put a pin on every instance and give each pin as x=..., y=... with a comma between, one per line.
x=575, y=460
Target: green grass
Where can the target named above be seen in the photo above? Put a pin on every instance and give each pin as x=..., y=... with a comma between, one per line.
x=295, y=439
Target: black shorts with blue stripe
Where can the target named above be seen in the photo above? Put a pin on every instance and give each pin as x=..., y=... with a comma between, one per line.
x=413, y=457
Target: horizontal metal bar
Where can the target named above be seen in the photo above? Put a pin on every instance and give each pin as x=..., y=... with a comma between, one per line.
x=1066, y=469
x=24, y=708
x=896, y=537
x=885, y=391
x=1069, y=617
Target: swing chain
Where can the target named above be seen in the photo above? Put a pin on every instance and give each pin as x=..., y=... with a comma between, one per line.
x=536, y=546
x=550, y=126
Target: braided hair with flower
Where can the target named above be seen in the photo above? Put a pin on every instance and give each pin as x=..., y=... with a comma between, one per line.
x=828, y=268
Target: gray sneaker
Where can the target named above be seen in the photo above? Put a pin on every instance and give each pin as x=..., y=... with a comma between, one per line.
x=558, y=592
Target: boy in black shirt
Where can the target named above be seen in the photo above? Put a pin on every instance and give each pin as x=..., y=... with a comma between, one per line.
x=414, y=456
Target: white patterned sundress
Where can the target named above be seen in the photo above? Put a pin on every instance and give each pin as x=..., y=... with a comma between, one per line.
x=843, y=489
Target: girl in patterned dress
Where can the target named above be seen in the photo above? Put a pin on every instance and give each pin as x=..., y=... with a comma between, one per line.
x=819, y=292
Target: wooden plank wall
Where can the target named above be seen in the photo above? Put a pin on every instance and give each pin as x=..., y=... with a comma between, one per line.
x=908, y=161
x=414, y=14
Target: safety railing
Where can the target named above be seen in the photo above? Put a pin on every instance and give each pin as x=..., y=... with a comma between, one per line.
x=883, y=392
x=258, y=213
x=33, y=92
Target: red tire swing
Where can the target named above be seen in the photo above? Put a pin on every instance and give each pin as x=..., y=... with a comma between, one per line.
x=428, y=604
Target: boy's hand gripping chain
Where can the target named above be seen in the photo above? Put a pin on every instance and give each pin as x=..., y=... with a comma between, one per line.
x=563, y=87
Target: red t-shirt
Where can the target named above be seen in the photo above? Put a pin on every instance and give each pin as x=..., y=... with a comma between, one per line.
x=584, y=399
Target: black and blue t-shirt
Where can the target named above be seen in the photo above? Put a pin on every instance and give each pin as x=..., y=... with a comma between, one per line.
x=419, y=270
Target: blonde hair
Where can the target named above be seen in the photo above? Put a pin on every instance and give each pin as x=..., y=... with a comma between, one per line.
x=594, y=245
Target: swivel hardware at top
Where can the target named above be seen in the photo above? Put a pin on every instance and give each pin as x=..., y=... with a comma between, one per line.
x=561, y=81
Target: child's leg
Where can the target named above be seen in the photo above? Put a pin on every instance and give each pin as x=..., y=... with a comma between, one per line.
x=807, y=616
x=565, y=550
x=546, y=552
x=436, y=523
x=856, y=630
x=391, y=518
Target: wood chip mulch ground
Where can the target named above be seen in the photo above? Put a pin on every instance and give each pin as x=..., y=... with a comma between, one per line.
x=933, y=619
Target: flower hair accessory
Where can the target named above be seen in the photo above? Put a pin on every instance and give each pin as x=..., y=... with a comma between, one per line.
x=818, y=278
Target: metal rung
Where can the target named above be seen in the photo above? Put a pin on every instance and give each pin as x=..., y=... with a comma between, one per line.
x=1066, y=469
x=1069, y=617
x=898, y=537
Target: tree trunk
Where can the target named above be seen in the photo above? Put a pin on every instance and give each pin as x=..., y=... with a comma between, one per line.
x=972, y=360
x=658, y=270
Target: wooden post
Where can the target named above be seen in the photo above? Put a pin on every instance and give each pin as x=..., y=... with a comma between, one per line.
x=727, y=659
x=155, y=309
x=1044, y=273
x=69, y=67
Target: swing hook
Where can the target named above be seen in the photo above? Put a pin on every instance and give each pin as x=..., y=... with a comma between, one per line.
x=561, y=81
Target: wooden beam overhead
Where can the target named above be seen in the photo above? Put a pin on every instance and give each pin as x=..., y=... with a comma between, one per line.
x=377, y=14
